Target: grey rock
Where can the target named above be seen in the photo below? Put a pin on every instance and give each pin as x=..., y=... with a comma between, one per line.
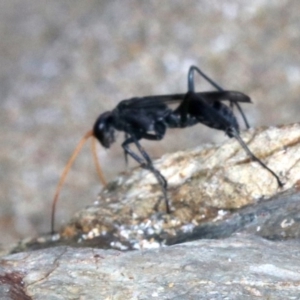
x=275, y=219
x=234, y=263
x=240, y=267
x=215, y=191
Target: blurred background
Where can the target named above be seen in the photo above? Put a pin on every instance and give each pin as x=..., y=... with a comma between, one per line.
x=62, y=63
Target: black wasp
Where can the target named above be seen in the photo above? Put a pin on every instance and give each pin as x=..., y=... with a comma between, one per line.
x=149, y=117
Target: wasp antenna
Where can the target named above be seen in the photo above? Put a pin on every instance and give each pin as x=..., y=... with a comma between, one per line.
x=98, y=167
x=64, y=175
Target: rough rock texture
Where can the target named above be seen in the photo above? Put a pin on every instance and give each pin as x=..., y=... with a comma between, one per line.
x=224, y=203
x=208, y=188
x=239, y=267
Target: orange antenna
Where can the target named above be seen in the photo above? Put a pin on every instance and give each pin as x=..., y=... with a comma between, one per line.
x=64, y=174
x=98, y=167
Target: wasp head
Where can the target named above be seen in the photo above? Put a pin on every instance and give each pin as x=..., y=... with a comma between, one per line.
x=104, y=130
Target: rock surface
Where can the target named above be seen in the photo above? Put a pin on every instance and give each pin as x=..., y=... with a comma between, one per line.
x=209, y=188
x=240, y=267
x=229, y=256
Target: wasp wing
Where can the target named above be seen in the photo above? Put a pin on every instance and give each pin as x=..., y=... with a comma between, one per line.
x=161, y=100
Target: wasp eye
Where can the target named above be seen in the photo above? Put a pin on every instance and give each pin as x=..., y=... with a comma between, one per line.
x=104, y=130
